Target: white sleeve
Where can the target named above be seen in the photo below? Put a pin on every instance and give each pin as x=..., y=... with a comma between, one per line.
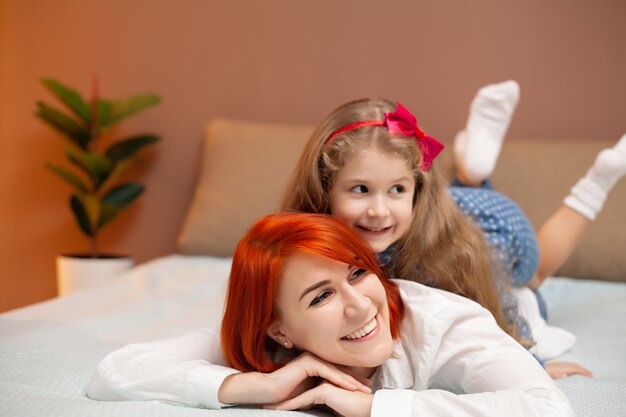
x=474, y=369
x=185, y=370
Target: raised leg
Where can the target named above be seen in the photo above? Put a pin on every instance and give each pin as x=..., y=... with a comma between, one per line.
x=477, y=147
x=559, y=235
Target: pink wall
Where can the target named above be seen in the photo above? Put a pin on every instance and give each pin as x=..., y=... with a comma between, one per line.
x=282, y=61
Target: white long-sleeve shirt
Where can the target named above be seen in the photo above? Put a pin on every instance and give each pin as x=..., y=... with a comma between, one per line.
x=452, y=360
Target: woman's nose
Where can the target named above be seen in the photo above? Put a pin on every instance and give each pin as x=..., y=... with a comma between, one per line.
x=356, y=303
x=378, y=207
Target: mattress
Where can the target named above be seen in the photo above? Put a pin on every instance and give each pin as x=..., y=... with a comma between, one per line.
x=48, y=351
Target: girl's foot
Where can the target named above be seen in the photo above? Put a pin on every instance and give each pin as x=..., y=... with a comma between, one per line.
x=589, y=194
x=477, y=148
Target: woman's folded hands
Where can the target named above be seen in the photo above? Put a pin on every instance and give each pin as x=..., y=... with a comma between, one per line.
x=301, y=384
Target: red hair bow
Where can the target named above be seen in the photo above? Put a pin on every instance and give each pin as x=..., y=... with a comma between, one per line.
x=400, y=122
x=404, y=123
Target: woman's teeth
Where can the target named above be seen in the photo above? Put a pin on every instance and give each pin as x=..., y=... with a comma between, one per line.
x=367, y=329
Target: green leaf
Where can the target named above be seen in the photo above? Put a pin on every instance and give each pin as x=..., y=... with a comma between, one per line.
x=123, y=195
x=119, y=168
x=124, y=149
x=77, y=133
x=68, y=176
x=114, y=111
x=91, y=204
x=81, y=215
x=96, y=165
x=69, y=97
x=108, y=212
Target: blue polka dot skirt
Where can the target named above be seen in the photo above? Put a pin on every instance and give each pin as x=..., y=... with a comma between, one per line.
x=508, y=231
x=512, y=238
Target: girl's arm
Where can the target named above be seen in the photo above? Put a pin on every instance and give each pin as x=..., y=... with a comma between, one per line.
x=473, y=369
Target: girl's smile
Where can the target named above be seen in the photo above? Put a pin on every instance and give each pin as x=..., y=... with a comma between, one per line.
x=373, y=193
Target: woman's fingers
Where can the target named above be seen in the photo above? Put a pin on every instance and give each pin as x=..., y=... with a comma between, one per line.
x=343, y=402
x=303, y=401
x=363, y=380
x=322, y=369
x=300, y=375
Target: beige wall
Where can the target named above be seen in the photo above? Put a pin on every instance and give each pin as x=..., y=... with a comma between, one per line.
x=283, y=61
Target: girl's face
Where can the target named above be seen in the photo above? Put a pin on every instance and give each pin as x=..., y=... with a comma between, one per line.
x=373, y=193
x=335, y=311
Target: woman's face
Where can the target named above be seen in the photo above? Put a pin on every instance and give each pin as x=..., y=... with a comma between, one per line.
x=335, y=311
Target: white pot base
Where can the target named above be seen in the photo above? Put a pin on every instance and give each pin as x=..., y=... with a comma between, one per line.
x=74, y=274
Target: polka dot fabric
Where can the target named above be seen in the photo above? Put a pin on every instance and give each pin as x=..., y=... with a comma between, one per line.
x=506, y=228
x=510, y=235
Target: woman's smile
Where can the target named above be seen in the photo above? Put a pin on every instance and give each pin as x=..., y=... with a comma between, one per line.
x=364, y=333
x=336, y=311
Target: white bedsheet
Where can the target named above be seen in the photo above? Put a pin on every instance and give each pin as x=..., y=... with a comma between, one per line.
x=49, y=351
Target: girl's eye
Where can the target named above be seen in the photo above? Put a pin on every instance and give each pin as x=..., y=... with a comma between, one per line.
x=361, y=189
x=320, y=298
x=397, y=189
x=357, y=273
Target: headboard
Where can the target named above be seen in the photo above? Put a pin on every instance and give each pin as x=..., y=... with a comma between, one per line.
x=246, y=165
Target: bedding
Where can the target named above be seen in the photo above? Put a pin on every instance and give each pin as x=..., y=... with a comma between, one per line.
x=49, y=351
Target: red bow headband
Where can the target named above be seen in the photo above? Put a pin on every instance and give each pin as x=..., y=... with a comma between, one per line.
x=401, y=122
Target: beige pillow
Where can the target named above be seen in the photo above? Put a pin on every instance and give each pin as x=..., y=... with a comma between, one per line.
x=244, y=169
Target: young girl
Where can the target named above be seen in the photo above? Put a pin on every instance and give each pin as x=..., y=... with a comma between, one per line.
x=310, y=317
x=369, y=164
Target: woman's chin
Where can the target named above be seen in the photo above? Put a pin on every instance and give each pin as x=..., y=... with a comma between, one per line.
x=374, y=358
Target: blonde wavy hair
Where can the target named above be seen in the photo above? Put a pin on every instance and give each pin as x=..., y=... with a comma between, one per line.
x=443, y=247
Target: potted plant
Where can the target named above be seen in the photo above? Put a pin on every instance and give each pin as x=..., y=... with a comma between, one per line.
x=99, y=193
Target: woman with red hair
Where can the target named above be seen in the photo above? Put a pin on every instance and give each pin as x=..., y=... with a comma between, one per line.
x=310, y=319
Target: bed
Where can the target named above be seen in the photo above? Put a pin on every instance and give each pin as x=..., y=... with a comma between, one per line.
x=49, y=351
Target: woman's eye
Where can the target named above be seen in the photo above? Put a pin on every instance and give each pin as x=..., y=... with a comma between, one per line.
x=397, y=189
x=320, y=298
x=357, y=273
x=359, y=189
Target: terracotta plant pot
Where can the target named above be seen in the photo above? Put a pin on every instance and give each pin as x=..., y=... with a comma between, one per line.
x=76, y=272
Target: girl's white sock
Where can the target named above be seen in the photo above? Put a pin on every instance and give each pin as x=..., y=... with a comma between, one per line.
x=478, y=146
x=589, y=194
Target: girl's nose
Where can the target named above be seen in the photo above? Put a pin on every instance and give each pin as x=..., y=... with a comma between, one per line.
x=356, y=303
x=378, y=208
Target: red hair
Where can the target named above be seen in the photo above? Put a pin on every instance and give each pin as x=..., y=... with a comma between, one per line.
x=257, y=269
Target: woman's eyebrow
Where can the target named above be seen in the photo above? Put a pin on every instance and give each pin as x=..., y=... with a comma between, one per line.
x=314, y=287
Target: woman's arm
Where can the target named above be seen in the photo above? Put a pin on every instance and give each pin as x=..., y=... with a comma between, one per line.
x=473, y=369
x=190, y=370
x=185, y=370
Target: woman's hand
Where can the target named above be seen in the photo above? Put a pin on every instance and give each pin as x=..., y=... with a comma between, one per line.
x=558, y=370
x=343, y=402
x=296, y=377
